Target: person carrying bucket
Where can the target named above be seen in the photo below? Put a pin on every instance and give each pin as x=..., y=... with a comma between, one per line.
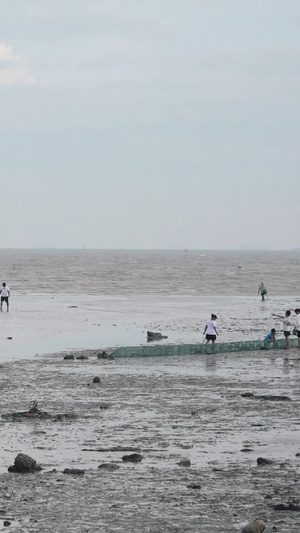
x=262, y=290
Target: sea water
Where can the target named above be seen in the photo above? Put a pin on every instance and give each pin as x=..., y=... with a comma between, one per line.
x=81, y=299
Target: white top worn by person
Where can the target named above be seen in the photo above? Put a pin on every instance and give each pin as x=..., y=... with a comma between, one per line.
x=211, y=329
x=286, y=326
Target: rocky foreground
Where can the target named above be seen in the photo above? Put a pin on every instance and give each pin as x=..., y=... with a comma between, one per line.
x=207, y=444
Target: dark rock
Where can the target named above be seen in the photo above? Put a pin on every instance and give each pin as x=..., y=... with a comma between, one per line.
x=73, y=471
x=194, y=486
x=152, y=335
x=262, y=461
x=272, y=398
x=287, y=507
x=257, y=526
x=108, y=466
x=73, y=306
x=96, y=379
x=82, y=357
x=246, y=450
x=24, y=463
x=69, y=356
x=133, y=458
x=297, y=454
x=266, y=397
x=9, y=338
x=185, y=462
x=104, y=406
x=6, y=523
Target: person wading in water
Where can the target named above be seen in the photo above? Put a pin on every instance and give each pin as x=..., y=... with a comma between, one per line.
x=262, y=290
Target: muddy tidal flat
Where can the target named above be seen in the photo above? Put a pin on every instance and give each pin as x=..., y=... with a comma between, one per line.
x=198, y=425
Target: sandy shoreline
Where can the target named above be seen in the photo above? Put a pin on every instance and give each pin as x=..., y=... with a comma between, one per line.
x=170, y=410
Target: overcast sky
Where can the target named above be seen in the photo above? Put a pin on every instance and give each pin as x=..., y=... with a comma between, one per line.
x=150, y=123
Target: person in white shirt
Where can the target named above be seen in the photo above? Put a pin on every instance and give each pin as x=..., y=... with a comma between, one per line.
x=5, y=294
x=211, y=329
x=286, y=323
x=297, y=325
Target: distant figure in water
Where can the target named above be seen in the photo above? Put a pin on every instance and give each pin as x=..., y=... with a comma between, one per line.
x=262, y=290
x=271, y=336
x=211, y=329
x=286, y=322
x=5, y=294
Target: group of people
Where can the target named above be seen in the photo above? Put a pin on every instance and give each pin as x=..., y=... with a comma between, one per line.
x=211, y=332
x=287, y=325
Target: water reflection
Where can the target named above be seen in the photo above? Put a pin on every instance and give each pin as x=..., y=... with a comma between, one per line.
x=211, y=363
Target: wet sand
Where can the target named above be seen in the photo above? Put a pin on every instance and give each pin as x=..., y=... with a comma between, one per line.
x=169, y=410
x=45, y=323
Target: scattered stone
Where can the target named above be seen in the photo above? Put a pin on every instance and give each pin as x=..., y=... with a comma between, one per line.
x=69, y=356
x=108, y=466
x=267, y=397
x=133, y=458
x=152, y=335
x=194, y=486
x=257, y=526
x=272, y=398
x=262, y=461
x=33, y=412
x=73, y=471
x=297, y=454
x=96, y=379
x=104, y=406
x=287, y=507
x=72, y=306
x=9, y=338
x=246, y=450
x=82, y=357
x=6, y=523
x=24, y=464
x=185, y=462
